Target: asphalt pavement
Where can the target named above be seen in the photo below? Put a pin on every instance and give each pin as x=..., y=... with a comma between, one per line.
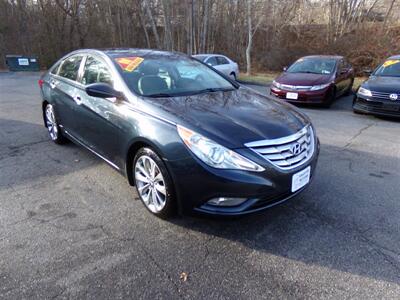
x=72, y=227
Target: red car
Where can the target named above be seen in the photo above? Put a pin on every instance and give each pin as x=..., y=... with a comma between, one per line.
x=315, y=79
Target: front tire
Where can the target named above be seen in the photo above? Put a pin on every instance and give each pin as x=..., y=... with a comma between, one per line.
x=153, y=183
x=52, y=126
x=330, y=99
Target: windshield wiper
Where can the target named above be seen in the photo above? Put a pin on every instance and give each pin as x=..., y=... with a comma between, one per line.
x=211, y=90
x=159, y=95
x=309, y=72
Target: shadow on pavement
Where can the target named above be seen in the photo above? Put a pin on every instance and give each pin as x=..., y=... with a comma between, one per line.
x=331, y=224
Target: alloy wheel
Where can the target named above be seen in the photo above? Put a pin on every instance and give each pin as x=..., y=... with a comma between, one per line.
x=150, y=183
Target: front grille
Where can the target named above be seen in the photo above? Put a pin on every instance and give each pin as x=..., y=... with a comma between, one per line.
x=288, y=152
x=288, y=87
x=380, y=95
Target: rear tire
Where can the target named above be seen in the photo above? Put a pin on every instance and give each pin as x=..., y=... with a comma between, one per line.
x=154, y=184
x=52, y=126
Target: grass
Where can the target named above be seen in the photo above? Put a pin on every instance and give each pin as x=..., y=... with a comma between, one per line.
x=358, y=81
x=260, y=78
x=268, y=77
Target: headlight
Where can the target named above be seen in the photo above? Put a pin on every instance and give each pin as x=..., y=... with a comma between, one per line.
x=276, y=84
x=364, y=92
x=319, y=87
x=215, y=155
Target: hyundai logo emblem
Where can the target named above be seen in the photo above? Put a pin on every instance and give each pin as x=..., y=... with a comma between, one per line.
x=393, y=97
x=295, y=149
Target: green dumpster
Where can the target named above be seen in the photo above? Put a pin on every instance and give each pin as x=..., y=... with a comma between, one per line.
x=22, y=63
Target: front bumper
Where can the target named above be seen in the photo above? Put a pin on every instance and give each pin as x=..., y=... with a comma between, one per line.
x=195, y=184
x=377, y=107
x=311, y=97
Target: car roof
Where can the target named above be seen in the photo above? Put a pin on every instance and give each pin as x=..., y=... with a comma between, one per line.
x=121, y=52
x=208, y=54
x=394, y=57
x=337, y=57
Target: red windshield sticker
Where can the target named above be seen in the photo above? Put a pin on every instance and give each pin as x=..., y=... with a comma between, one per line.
x=129, y=63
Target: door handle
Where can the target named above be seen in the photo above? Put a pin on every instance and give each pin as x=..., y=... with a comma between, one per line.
x=53, y=83
x=77, y=100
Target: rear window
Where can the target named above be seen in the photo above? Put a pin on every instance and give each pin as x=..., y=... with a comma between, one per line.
x=222, y=60
x=70, y=67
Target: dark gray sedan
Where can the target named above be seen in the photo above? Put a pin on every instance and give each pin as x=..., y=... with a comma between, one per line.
x=188, y=143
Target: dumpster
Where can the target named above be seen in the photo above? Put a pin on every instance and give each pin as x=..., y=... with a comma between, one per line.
x=22, y=63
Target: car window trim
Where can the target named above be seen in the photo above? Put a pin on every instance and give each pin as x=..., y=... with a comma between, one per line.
x=64, y=60
x=223, y=57
x=99, y=58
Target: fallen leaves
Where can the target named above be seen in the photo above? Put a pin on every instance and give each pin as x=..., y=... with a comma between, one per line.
x=184, y=276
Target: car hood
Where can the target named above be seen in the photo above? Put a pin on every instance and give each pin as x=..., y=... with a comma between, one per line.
x=383, y=84
x=305, y=79
x=230, y=118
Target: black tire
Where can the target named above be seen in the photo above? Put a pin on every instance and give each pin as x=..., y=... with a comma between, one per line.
x=331, y=98
x=169, y=208
x=52, y=126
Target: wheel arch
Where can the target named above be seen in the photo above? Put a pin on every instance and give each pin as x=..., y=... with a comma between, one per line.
x=133, y=148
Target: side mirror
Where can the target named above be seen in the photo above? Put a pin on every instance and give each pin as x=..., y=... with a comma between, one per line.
x=284, y=69
x=102, y=90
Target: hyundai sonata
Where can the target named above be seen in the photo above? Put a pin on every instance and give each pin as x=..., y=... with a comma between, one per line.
x=188, y=144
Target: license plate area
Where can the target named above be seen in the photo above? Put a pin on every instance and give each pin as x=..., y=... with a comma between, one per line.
x=293, y=96
x=301, y=179
x=391, y=106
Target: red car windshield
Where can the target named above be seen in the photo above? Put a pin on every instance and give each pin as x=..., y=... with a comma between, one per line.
x=313, y=65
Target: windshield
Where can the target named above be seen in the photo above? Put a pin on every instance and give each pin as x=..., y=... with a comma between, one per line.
x=169, y=76
x=390, y=68
x=313, y=65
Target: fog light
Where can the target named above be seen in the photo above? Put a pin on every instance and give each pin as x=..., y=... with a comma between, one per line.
x=224, y=201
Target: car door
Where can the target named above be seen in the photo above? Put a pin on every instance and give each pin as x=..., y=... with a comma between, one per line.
x=224, y=65
x=212, y=61
x=98, y=119
x=344, y=76
x=349, y=74
x=64, y=87
x=341, y=77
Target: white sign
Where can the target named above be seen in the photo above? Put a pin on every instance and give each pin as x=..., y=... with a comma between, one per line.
x=23, y=61
x=301, y=178
x=293, y=96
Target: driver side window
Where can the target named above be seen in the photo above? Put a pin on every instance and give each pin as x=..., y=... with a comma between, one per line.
x=96, y=71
